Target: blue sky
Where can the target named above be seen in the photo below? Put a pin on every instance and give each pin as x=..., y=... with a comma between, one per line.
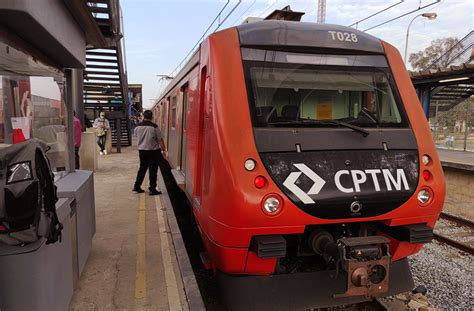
x=159, y=33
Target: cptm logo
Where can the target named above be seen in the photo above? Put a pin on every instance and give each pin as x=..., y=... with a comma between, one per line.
x=293, y=177
x=392, y=183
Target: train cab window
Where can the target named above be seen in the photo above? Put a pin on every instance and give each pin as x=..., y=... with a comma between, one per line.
x=173, y=112
x=288, y=89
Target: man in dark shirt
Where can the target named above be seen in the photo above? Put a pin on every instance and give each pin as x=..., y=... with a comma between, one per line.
x=149, y=143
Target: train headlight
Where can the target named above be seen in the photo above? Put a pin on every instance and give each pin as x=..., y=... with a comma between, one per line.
x=425, y=159
x=249, y=165
x=424, y=197
x=272, y=205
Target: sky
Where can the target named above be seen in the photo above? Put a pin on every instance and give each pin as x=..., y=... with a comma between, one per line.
x=160, y=33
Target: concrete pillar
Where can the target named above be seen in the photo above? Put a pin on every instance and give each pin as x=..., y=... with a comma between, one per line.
x=78, y=79
x=71, y=99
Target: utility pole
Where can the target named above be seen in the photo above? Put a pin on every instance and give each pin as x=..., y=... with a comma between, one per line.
x=321, y=11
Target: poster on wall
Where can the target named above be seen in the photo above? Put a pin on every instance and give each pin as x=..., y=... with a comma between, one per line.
x=26, y=106
x=324, y=108
x=23, y=124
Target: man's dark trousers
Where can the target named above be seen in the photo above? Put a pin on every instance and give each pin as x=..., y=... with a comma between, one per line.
x=148, y=160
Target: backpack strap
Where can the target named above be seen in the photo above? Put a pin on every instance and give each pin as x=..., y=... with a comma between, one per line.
x=49, y=197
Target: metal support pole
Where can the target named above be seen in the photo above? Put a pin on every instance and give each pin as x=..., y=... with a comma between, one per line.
x=426, y=96
x=118, y=136
x=466, y=125
x=78, y=80
x=435, y=134
x=71, y=89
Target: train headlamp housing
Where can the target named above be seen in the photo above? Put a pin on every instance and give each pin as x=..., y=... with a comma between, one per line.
x=424, y=196
x=272, y=204
x=249, y=164
x=425, y=159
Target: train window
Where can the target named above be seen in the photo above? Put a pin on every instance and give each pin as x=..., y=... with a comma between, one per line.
x=314, y=59
x=285, y=94
x=173, y=112
x=185, y=105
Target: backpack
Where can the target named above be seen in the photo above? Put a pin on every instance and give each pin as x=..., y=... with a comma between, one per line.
x=27, y=195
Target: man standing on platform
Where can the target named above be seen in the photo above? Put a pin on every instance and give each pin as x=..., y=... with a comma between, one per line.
x=150, y=145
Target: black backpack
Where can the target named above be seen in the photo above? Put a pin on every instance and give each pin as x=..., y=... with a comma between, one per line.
x=27, y=195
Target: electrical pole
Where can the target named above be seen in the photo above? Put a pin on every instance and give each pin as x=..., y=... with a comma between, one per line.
x=321, y=11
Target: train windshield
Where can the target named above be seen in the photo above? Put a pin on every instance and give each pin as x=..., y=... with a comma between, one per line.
x=291, y=89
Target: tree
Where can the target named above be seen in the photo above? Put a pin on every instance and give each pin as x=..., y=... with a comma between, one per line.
x=442, y=49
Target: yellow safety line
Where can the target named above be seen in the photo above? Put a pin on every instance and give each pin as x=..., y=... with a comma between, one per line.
x=174, y=301
x=140, y=279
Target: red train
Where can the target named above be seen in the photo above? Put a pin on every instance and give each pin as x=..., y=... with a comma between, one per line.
x=308, y=161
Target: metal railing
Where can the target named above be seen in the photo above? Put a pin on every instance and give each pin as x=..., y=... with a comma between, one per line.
x=465, y=45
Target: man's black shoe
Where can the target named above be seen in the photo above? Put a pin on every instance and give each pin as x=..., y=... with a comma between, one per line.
x=138, y=190
x=154, y=192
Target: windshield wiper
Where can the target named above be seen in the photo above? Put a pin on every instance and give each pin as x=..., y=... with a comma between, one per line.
x=370, y=115
x=300, y=122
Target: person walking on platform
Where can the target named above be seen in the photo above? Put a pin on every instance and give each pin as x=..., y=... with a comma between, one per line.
x=102, y=126
x=77, y=139
x=150, y=145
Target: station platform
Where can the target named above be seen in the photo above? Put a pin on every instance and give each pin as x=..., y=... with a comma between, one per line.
x=458, y=169
x=133, y=264
x=463, y=160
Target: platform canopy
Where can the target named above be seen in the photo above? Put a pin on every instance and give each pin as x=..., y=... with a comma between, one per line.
x=445, y=87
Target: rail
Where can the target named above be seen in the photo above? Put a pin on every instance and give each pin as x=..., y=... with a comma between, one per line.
x=449, y=241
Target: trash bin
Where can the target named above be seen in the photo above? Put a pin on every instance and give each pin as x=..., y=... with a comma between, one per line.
x=39, y=276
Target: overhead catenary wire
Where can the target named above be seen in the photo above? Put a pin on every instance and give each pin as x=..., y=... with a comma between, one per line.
x=221, y=21
x=227, y=16
x=201, y=38
x=240, y=16
x=402, y=15
x=376, y=13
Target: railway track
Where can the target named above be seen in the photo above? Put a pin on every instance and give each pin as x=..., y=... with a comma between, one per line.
x=447, y=240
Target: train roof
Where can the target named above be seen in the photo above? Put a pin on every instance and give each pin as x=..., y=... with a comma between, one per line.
x=273, y=33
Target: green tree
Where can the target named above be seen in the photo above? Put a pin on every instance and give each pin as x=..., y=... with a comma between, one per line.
x=443, y=49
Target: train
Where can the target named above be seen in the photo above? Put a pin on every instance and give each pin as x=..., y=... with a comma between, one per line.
x=308, y=162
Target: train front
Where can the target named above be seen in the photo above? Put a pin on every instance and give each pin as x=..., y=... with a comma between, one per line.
x=338, y=179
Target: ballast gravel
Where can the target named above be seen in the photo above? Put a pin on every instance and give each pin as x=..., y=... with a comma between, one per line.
x=447, y=275
x=452, y=230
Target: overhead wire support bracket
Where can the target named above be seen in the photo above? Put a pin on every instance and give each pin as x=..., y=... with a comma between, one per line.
x=227, y=16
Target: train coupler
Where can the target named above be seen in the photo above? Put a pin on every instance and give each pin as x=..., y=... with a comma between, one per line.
x=366, y=261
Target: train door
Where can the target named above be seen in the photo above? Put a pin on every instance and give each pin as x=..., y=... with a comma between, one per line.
x=167, y=122
x=162, y=118
x=173, y=132
x=183, y=147
x=200, y=150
